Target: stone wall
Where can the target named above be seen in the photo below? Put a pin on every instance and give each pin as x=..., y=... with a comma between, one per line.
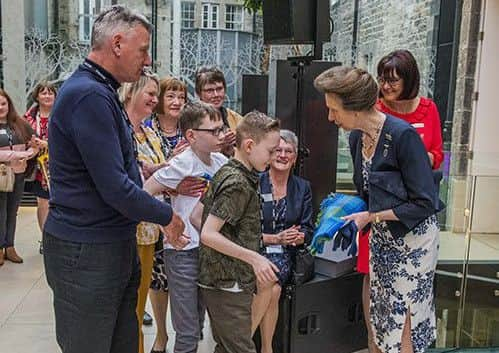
x=462, y=119
x=383, y=26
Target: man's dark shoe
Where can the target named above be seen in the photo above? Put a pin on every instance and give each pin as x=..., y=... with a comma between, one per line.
x=147, y=319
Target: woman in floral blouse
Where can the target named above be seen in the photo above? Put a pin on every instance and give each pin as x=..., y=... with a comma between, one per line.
x=392, y=173
x=140, y=99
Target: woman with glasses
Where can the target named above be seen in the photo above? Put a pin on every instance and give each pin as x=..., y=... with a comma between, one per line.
x=286, y=225
x=398, y=80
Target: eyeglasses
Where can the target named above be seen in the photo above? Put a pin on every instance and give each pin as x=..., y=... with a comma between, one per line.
x=211, y=91
x=216, y=131
x=286, y=151
x=391, y=81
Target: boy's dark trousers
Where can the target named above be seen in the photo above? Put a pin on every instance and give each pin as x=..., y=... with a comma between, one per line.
x=230, y=318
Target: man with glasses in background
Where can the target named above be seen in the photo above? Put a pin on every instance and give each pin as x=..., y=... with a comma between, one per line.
x=210, y=88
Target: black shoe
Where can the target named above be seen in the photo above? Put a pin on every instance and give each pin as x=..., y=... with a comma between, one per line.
x=147, y=319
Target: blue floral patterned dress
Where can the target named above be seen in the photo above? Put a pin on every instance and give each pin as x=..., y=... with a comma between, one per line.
x=401, y=279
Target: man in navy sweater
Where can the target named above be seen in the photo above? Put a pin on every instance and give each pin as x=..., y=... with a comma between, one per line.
x=96, y=201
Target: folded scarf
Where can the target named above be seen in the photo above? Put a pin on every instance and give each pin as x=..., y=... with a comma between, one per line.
x=329, y=221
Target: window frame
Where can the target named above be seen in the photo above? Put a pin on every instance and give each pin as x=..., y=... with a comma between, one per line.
x=191, y=20
x=86, y=17
x=233, y=23
x=207, y=19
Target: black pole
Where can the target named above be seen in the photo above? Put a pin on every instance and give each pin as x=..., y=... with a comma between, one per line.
x=303, y=151
x=355, y=30
x=154, y=20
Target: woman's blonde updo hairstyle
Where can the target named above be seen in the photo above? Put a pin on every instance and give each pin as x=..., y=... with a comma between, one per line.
x=356, y=88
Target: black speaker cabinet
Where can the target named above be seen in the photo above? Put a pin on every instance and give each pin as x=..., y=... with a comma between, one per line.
x=295, y=21
x=302, y=109
x=323, y=315
x=255, y=93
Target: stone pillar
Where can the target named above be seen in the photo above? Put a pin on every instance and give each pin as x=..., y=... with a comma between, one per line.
x=14, y=72
x=463, y=104
x=164, y=39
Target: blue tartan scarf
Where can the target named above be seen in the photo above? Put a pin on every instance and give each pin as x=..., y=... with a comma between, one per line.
x=329, y=220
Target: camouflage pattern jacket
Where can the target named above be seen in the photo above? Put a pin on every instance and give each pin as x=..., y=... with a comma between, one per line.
x=233, y=197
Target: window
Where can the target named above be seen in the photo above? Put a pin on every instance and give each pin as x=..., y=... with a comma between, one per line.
x=187, y=14
x=234, y=17
x=87, y=11
x=210, y=16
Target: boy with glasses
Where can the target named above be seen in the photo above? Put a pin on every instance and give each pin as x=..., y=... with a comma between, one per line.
x=203, y=128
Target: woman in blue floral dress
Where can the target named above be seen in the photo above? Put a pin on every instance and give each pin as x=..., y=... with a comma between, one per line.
x=393, y=175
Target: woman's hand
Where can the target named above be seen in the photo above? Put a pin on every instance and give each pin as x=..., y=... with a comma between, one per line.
x=230, y=138
x=291, y=236
x=432, y=158
x=38, y=143
x=361, y=219
x=180, y=147
x=191, y=186
x=18, y=164
x=148, y=169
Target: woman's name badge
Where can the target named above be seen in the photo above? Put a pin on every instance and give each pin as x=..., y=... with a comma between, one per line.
x=267, y=197
x=3, y=132
x=274, y=249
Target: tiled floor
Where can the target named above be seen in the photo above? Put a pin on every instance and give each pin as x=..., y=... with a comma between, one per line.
x=26, y=315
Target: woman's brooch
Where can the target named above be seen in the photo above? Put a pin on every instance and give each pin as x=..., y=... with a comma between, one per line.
x=386, y=144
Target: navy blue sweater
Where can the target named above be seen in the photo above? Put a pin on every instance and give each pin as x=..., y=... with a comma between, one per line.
x=95, y=184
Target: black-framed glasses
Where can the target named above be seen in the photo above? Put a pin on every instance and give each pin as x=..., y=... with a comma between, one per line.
x=212, y=91
x=216, y=131
x=392, y=81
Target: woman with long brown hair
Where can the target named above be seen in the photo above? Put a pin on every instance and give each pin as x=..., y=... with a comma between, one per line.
x=38, y=117
x=15, y=150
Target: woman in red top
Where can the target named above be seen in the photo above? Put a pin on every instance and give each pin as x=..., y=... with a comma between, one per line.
x=398, y=79
x=38, y=117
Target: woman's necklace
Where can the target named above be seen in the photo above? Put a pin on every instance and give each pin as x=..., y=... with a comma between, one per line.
x=167, y=131
x=369, y=140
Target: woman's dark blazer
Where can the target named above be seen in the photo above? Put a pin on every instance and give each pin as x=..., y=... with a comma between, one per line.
x=299, y=205
x=401, y=177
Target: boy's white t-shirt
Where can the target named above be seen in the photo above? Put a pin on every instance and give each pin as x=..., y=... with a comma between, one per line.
x=187, y=164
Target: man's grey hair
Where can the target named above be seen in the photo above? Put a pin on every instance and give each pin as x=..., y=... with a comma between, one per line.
x=117, y=18
x=289, y=137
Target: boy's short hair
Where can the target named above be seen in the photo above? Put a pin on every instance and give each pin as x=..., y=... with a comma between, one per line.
x=193, y=113
x=255, y=125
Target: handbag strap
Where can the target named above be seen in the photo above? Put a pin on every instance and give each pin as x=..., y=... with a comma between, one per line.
x=9, y=136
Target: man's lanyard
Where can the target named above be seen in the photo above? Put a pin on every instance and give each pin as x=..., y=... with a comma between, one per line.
x=105, y=80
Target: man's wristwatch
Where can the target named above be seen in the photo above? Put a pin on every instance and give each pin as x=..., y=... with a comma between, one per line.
x=376, y=218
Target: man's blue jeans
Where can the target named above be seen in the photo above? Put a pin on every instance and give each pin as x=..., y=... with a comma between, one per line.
x=95, y=294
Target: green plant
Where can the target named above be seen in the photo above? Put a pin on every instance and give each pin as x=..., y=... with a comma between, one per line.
x=253, y=5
